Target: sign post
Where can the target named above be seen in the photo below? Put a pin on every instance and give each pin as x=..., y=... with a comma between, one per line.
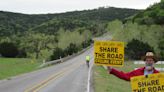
x=151, y=83
x=109, y=53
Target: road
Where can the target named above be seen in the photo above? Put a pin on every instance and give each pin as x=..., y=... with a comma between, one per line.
x=69, y=76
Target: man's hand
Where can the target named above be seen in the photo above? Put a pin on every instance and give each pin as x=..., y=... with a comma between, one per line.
x=109, y=68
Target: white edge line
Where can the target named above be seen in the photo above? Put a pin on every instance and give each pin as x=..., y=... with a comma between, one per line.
x=89, y=77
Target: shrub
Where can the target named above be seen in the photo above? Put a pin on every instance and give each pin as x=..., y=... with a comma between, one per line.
x=8, y=49
x=58, y=52
x=22, y=54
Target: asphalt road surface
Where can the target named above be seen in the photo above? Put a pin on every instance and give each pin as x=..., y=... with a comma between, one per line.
x=69, y=76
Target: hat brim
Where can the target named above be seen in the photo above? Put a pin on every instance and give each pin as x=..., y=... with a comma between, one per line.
x=153, y=57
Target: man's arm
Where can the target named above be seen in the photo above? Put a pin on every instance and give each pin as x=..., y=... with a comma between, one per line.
x=121, y=74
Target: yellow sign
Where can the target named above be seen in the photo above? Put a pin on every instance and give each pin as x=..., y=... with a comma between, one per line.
x=151, y=83
x=109, y=53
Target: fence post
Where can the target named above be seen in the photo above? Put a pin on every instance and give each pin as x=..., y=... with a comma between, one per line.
x=61, y=60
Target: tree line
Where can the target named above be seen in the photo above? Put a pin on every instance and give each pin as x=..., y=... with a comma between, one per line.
x=14, y=23
x=50, y=36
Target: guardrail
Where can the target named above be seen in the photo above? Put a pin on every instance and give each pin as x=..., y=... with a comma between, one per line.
x=142, y=62
x=63, y=59
x=158, y=63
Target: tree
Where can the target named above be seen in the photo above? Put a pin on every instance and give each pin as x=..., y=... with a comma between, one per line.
x=72, y=48
x=35, y=42
x=86, y=43
x=161, y=47
x=136, y=49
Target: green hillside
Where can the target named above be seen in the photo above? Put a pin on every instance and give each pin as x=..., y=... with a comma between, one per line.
x=36, y=35
x=152, y=15
x=51, y=36
x=142, y=32
x=13, y=23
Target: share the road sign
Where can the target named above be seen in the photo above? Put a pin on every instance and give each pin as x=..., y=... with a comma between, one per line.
x=151, y=83
x=109, y=53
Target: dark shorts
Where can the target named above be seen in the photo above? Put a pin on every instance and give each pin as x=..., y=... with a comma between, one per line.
x=87, y=60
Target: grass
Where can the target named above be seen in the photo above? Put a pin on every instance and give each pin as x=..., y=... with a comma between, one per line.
x=15, y=66
x=104, y=82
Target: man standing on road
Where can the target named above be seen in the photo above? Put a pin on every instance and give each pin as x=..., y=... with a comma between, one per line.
x=149, y=59
x=87, y=60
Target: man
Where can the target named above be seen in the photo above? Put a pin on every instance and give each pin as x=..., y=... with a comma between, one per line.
x=149, y=59
x=87, y=60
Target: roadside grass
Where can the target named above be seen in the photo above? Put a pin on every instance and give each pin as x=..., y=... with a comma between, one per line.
x=104, y=82
x=15, y=66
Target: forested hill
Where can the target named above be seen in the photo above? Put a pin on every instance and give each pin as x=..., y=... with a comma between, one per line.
x=152, y=15
x=100, y=14
x=13, y=23
x=146, y=29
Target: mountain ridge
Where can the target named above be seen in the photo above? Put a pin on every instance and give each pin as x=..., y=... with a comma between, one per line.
x=16, y=22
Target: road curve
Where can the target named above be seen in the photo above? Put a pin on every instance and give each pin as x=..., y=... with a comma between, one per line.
x=69, y=76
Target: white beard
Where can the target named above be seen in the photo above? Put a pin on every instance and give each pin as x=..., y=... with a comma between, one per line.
x=149, y=68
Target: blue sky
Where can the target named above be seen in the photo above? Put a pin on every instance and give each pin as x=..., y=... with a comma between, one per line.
x=58, y=6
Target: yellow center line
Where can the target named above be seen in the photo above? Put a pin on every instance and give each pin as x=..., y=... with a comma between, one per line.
x=41, y=83
x=55, y=76
x=44, y=85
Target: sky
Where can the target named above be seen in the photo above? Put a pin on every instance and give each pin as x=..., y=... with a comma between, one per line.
x=60, y=6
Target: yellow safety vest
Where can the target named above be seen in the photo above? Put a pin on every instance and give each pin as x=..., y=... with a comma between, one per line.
x=87, y=58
